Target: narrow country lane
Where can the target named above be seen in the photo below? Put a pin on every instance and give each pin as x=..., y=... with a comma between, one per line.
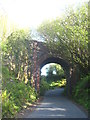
x=55, y=105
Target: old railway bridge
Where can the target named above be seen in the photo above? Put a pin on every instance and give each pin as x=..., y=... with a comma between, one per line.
x=42, y=56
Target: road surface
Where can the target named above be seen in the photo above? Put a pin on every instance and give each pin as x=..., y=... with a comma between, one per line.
x=55, y=105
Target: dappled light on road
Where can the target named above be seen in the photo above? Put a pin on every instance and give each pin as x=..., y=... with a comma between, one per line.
x=56, y=105
x=52, y=109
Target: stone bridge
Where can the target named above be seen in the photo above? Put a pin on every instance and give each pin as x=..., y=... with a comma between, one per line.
x=41, y=56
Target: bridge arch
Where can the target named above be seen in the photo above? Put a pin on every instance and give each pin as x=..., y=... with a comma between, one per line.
x=57, y=60
x=60, y=61
x=42, y=56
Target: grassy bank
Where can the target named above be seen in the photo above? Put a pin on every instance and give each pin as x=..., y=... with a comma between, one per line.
x=15, y=94
x=80, y=92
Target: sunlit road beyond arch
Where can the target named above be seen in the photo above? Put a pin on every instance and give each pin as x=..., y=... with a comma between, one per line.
x=55, y=105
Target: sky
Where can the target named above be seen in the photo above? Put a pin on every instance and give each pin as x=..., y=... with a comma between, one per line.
x=44, y=69
x=31, y=13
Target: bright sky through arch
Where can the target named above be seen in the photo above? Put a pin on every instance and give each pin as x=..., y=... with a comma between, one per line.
x=44, y=69
x=30, y=13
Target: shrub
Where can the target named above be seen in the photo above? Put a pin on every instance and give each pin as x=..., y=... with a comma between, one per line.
x=44, y=86
x=15, y=94
x=80, y=92
x=59, y=83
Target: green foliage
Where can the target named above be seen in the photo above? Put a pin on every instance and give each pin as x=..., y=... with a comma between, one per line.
x=67, y=37
x=44, y=86
x=80, y=92
x=15, y=94
x=59, y=83
x=16, y=91
x=55, y=72
x=17, y=53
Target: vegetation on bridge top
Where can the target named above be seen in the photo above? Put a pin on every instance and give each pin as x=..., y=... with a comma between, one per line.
x=67, y=36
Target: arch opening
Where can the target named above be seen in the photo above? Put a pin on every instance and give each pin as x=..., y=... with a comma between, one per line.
x=51, y=68
x=54, y=75
x=61, y=62
x=64, y=65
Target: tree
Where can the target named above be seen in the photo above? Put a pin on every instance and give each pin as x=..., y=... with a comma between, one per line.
x=55, y=72
x=68, y=36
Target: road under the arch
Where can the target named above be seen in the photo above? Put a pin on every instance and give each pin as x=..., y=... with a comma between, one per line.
x=55, y=105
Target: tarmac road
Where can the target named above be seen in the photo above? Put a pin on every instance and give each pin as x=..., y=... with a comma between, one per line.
x=55, y=105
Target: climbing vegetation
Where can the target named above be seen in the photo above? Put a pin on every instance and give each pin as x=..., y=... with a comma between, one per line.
x=16, y=51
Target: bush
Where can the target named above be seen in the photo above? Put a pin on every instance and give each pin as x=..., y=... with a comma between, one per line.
x=44, y=86
x=15, y=94
x=80, y=92
x=59, y=83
